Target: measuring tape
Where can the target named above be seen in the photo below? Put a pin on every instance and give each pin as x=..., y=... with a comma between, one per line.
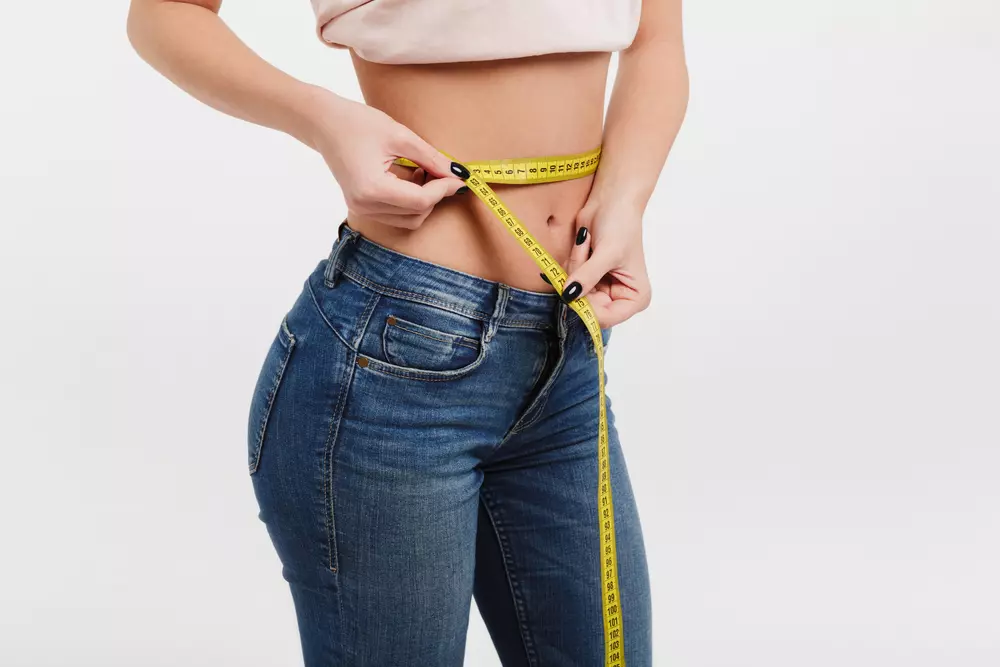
x=547, y=170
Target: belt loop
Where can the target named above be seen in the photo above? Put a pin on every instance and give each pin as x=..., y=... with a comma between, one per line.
x=344, y=234
x=499, y=309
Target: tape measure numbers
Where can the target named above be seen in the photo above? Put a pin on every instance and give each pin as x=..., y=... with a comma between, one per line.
x=545, y=170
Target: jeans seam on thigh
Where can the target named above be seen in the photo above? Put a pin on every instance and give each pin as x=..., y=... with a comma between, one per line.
x=331, y=437
x=508, y=563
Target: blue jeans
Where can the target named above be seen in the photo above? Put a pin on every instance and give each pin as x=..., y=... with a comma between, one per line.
x=419, y=436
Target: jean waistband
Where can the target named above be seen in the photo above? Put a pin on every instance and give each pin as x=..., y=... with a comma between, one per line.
x=396, y=274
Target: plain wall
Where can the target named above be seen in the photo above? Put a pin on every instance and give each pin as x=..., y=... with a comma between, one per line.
x=809, y=407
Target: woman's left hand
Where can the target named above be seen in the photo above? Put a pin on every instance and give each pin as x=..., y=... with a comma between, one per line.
x=607, y=264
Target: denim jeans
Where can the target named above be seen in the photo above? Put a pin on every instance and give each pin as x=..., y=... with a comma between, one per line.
x=418, y=437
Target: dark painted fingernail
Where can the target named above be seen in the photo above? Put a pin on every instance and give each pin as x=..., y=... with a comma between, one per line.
x=459, y=170
x=572, y=291
x=545, y=278
x=581, y=236
x=462, y=190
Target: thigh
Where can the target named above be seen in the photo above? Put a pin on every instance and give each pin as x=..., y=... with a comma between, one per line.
x=369, y=492
x=539, y=589
x=405, y=493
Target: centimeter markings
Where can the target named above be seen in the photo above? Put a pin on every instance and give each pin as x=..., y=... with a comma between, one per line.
x=542, y=170
x=530, y=170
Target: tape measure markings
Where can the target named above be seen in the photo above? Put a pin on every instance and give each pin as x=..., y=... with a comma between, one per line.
x=543, y=170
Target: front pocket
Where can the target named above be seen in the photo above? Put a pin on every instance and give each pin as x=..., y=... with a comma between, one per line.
x=419, y=347
x=264, y=393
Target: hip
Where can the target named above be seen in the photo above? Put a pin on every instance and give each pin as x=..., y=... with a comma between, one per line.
x=397, y=341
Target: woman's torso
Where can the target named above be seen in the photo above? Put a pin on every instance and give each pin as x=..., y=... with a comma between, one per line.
x=484, y=110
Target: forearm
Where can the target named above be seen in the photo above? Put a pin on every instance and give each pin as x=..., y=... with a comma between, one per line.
x=190, y=45
x=648, y=103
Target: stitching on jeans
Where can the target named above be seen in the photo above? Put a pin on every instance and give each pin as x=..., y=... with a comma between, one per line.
x=436, y=267
x=331, y=437
x=391, y=291
x=538, y=405
x=315, y=301
x=445, y=305
x=272, y=393
x=366, y=316
x=508, y=565
x=329, y=472
x=455, y=340
x=381, y=367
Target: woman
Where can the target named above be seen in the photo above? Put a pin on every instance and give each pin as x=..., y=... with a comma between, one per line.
x=424, y=426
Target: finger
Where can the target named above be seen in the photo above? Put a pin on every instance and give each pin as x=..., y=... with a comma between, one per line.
x=419, y=176
x=411, y=221
x=413, y=147
x=381, y=208
x=612, y=313
x=583, y=279
x=581, y=250
x=408, y=195
x=618, y=305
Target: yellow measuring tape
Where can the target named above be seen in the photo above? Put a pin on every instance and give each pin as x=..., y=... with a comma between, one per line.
x=546, y=170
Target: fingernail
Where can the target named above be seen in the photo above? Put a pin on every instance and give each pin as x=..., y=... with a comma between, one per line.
x=462, y=190
x=581, y=236
x=545, y=278
x=459, y=170
x=572, y=291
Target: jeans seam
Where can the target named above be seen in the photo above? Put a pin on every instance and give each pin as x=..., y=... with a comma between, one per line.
x=538, y=405
x=431, y=301
x=456, y=340
x=319, y=309
x=272, y=395
x=376, y=366
x=508, y=564
x=329, y=471
x=413, y=296
x=331, y=441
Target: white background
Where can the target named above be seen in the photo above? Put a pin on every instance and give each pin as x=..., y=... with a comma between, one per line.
x=809, y=407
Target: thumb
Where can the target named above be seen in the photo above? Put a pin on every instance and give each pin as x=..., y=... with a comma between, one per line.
x=439, y=188
x=587, y=275
x=434, y=162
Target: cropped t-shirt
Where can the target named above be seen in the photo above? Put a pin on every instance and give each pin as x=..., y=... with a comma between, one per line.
x=438, y=31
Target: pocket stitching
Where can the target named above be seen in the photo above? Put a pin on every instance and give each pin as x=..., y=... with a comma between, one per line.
x=287, y=341
x=386, y=368
x=455, y=339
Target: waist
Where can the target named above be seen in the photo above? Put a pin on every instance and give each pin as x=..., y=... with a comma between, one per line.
x=395, y=274
x=544, y=105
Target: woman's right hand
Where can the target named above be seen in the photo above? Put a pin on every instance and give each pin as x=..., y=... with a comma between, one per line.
x=359, y=143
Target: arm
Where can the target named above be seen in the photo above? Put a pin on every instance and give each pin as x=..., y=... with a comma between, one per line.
x=648, y=103
x=187, y=42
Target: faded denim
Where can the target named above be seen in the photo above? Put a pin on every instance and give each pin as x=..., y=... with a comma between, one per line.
x=418, y=437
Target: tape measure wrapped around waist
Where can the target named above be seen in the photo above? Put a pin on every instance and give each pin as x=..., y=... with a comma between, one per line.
x=548, y=169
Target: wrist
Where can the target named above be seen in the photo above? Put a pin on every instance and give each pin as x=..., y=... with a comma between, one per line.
x=618, y=202
x=311, y=110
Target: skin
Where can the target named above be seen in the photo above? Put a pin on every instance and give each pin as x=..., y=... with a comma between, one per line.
x=521, y=107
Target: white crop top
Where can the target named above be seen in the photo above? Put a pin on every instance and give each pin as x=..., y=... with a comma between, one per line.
x=438, y=31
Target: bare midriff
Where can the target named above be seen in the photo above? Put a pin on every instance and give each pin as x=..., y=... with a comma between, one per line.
x=523, y=107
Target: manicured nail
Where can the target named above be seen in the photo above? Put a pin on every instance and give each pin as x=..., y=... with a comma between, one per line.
x=459, y=170
x=545, y=278
x=581, y=236
x=462, y=190
x=572, y=291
